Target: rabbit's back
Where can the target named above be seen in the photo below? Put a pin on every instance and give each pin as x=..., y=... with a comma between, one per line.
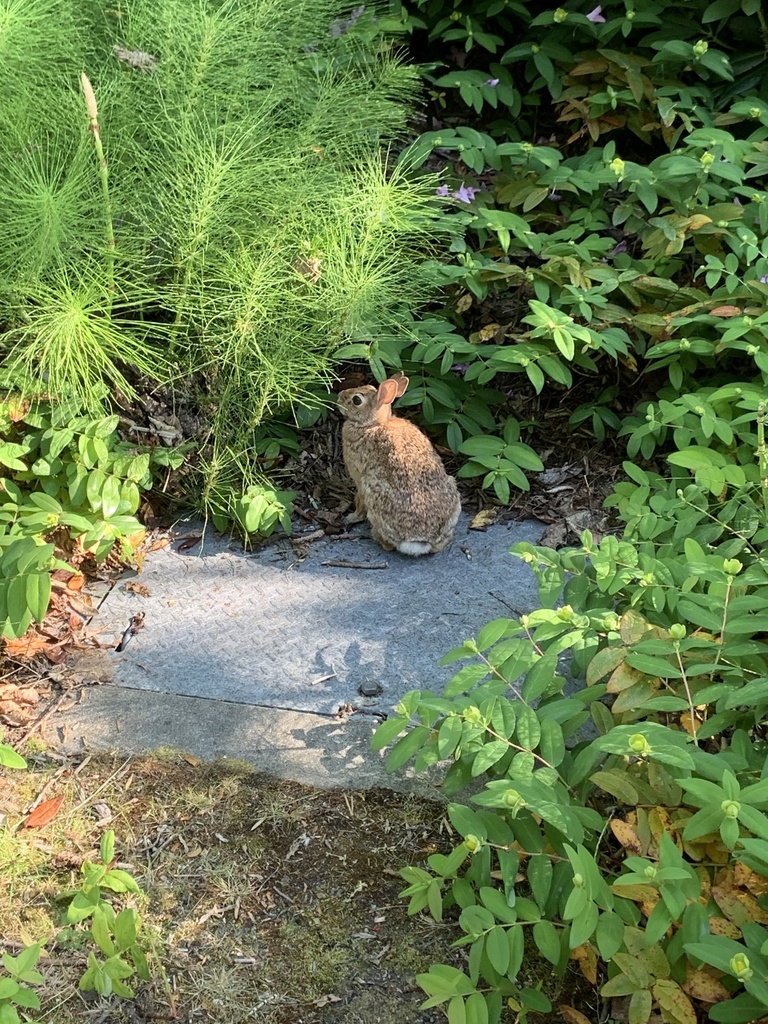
x=408, y=495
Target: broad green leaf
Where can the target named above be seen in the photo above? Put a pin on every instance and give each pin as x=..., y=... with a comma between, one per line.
x=407, y=747
x=547, y=940
x=38, y=593
x=488, y=755
x=528, y=729
x=387, y=732
x=497, y=949
x=457, y=1013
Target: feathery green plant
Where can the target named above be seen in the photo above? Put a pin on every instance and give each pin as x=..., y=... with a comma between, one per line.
x=252, y=223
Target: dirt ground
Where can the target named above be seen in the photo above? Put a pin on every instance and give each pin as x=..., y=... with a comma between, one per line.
x=262, y=900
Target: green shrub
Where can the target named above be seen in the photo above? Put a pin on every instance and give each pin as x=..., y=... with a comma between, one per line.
x=624, y=814
x=605, y=205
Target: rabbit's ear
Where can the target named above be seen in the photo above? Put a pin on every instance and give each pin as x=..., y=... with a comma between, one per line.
x=402, y=383
x=388, y=392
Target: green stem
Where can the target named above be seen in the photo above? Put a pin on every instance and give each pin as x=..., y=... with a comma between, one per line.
x=762, y=455
x=93, y=120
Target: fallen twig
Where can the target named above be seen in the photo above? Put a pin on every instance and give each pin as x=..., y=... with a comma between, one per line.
x=38, y=722
x=344, y=563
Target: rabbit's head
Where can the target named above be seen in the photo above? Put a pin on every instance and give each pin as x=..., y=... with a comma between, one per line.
x=368, y=405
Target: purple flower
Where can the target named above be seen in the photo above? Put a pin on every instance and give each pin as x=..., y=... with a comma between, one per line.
x=493, y=82
x=554, y=196
x=442, y=191
x=596, y=16
x=460, y=368
x=764, y=280
x=465, y=194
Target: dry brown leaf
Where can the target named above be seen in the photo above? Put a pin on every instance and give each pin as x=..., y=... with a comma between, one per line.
x=586, y=957
x=700, y=985
x=690, y=723
x=627, y=836
x=464, y=302
x=134, y=587
x=326, y=1000
x=725, y=311
x=659, y=822
x=484, y=518
x=26, y=646
x=12, y=694
x=572, y=1016
x=746, y=878
x=161, y=542
x=44, y=812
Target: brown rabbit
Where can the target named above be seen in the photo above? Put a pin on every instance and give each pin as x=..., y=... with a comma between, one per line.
x=402, y=487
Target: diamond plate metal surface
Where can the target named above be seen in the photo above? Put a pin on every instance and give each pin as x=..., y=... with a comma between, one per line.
x=267, y=629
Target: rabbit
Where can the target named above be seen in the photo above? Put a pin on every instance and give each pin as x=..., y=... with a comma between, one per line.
x=402, y=487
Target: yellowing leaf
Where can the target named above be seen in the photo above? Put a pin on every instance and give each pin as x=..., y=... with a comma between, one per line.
x=463, y=302
x=627, y=836
x=571, y=1016
x=698, y=221
x=721, y=926
x=700, y=985
x=674, y=1004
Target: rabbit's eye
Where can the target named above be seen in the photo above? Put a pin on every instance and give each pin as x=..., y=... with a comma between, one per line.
x=357, y=399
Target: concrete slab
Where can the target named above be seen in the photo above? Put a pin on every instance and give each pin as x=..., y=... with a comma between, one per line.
x=313, y=749
x=277, y=630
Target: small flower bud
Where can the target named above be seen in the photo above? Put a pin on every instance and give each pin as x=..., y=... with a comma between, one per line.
x=677, y=631
x=739, y=964
x=638, y=745
x=650, y=872
x=706, y=160
x=560, y=15
x=732, y=566
x=472, y=843
x=730, y=808
x=513, y=801
x=755, y=112
x=700, y=48
x=578, y=881
x=617, y=166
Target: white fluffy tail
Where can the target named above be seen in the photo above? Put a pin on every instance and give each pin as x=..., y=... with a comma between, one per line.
x=414, y=547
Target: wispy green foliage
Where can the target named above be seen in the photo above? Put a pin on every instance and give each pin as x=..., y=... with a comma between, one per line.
x=246, y=223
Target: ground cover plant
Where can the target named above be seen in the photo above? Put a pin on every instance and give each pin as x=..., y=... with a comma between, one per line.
x=610, y=225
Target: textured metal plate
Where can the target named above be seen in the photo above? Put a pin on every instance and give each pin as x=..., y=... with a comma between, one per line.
x=269, y=629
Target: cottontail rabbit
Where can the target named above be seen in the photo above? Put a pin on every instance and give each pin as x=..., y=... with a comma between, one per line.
x=402, y=487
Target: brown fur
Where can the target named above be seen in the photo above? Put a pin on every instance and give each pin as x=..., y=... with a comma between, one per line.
x=402, y=486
